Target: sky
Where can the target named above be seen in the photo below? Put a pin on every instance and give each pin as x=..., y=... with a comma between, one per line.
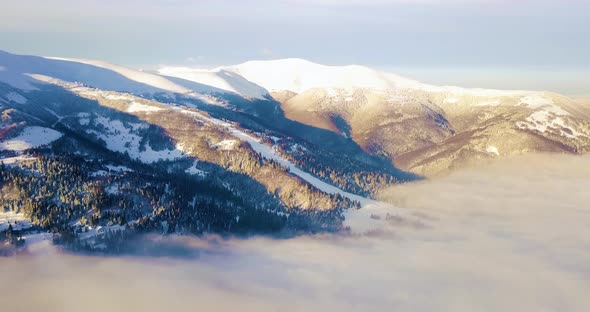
x=534, y=44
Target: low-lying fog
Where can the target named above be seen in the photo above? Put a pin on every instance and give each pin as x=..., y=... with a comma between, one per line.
x=513, y=236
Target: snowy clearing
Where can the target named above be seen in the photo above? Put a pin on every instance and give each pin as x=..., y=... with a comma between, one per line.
x=119, y=168
x=16, y=159
x=17, y=220
x=543, y=120
x=30, y=137
x=121, y=139
x=226, y=145
x=195, y=170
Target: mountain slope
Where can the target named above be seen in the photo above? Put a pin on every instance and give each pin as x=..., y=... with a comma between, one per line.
x=218, y=78
x=422, y=128
x=200, y=173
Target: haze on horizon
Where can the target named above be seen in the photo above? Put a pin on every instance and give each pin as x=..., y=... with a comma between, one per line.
x=539, y=45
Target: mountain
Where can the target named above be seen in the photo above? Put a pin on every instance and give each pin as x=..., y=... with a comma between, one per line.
x=87, y=143
x=419, y=127
x=280, y=146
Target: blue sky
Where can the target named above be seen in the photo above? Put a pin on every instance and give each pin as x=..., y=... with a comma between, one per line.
x=538, y=44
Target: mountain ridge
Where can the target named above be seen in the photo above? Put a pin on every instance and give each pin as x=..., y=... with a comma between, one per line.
x=387, y=115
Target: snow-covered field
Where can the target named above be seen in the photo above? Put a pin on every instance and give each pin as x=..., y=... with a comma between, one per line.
x=121, y=139
x=542, y=120
x=18, y=220
x=30, y=137
x=195, y=170
x=15, y=160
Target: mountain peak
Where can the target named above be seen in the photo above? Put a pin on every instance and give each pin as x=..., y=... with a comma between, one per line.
x=298, y=75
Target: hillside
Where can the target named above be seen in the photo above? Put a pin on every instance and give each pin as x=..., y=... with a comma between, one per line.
x=422, y=128
x=283, y=146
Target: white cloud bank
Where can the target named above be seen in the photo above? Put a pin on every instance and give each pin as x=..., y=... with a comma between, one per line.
x=510, y=237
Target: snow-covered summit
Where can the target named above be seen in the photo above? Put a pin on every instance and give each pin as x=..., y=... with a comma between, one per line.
x=299, y=75
x=252, y=79
x=20, y=71
x=24, y=72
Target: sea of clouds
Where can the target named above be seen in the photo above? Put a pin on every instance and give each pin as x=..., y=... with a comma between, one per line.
x=512, y=236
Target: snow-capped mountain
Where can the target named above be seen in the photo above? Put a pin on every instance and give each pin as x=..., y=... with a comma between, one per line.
x=164, y=122
x=245, y=148
x=89, y=149
x=298, y=75
x=419, y=127
x=24, y=72
x=423, y=128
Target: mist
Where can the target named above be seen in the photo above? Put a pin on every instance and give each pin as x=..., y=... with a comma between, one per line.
x=513, y=235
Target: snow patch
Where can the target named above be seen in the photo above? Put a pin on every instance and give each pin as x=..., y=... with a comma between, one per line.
x=138, y=107
x=113, y=189
x=226, y=145
x=196, y=171
x=30, y=137
x=119, y=168
x=535, y=101
x=120, y=139
x=119, y=97
x=492, y=150
x=99, y=173
x=544, y=120
x=539, y=101
x=15, y=97
x=16, y=159
x=17, y=220
x=92, y=232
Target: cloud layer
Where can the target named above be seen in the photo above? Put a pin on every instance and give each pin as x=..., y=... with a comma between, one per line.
x=510, y=237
